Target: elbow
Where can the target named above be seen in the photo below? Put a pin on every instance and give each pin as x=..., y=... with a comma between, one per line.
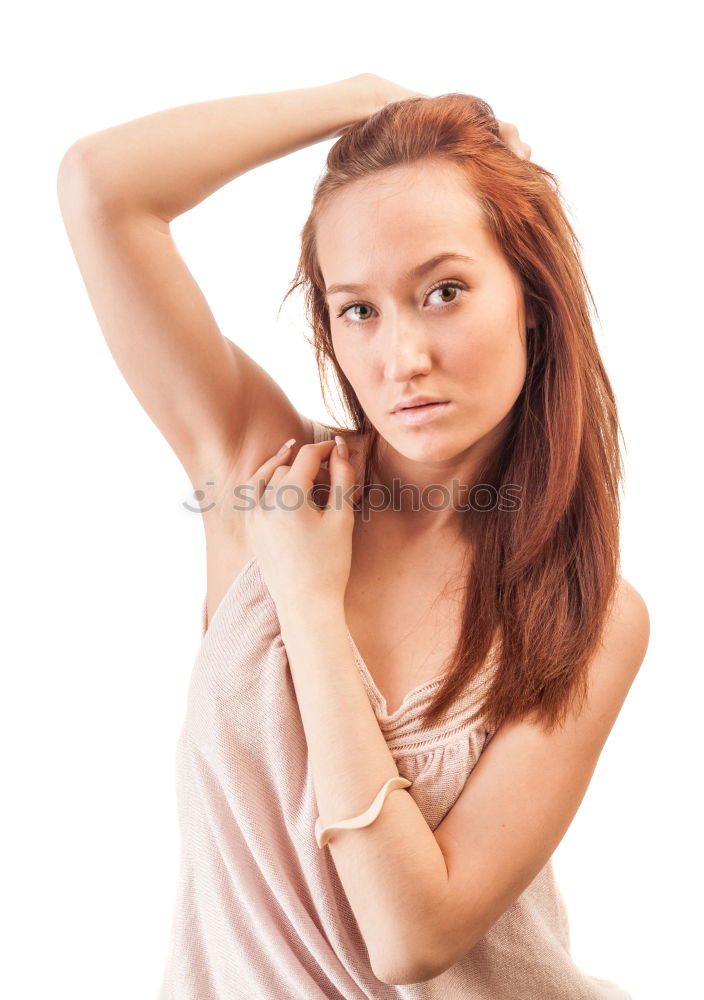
x=78, y=177
x=397, y=975
x=411, y=945
x=411, y=972
x=404, y=968
x=427, y=960
x=406, y=974
x=71, y=167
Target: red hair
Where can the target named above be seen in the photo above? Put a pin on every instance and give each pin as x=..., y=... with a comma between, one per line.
x=544, y=575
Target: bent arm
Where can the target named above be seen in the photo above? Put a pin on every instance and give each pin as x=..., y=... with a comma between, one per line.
x=118, y=190
x=166, y=163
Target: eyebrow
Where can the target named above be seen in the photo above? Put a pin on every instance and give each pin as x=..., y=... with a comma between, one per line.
x=415, y=272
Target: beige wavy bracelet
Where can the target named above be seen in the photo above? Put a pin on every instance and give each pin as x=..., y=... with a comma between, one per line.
x=365, y=818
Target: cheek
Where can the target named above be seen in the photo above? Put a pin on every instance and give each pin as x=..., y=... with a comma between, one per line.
x=352, y=362
x=491, y=363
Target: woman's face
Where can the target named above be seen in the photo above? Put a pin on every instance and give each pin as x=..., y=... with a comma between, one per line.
x=399, y=335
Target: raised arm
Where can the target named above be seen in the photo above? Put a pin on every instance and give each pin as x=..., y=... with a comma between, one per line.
x=118, y=191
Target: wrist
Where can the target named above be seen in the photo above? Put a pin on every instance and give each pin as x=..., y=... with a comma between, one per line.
x=314, y=612
x=355, y=97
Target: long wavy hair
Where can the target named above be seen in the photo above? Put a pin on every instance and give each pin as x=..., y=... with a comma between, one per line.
x=544, y=575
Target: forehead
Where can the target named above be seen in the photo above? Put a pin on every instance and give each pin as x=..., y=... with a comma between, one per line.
x=397, y=217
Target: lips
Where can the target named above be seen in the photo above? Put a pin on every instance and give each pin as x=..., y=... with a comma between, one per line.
x=421, y=413
x=415, y=402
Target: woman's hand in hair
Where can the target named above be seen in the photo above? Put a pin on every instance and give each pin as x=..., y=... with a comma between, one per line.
x=508, y=134
x=372, y=93
x=383, y=92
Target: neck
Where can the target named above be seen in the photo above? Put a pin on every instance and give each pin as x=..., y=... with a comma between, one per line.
x=429, y=496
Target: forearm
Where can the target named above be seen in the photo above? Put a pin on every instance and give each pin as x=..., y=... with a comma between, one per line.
x=393, y=870
x=170, y=161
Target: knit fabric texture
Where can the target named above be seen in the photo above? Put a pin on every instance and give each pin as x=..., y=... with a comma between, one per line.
x=260, y=911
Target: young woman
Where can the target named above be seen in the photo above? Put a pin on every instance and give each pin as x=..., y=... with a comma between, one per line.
x=427, y=602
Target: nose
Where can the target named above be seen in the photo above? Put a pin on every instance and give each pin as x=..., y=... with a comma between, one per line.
x=407, y=354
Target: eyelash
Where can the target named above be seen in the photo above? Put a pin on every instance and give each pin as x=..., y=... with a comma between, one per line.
x=442, y=284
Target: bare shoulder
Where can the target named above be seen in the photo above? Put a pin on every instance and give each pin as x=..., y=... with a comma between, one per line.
x=630, y=600
x=264, y=436
x=613, y=668
x=627, y=630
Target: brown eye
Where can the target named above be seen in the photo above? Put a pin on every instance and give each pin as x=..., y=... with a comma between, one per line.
x=444, y=288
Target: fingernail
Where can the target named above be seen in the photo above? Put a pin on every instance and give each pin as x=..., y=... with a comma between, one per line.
x=342, y=448
x=285, y=447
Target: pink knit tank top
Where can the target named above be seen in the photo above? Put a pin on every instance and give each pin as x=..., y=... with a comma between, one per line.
x=260, y=911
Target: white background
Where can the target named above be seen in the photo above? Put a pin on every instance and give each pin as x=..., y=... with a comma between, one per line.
x=105, y=568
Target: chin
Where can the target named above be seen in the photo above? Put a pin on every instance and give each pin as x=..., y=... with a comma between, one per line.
x=432, y=448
